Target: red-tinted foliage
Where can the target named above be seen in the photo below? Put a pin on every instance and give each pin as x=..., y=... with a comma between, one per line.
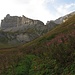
x=61, y=38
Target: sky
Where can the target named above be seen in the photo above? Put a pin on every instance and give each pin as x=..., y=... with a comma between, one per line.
x=44, y=10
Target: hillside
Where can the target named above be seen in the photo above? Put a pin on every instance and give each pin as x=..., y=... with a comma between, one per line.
x=51, y=54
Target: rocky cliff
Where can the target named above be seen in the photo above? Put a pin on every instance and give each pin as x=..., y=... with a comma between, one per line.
x=64, y=18
x=16, y=29
x=15, y=21
x=51, y=24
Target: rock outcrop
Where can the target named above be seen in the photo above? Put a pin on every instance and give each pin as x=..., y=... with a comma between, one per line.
x=50, y=24
x=15, y=21
x=64, y=18
x=21, y=29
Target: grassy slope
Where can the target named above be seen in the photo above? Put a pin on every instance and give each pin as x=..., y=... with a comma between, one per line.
x=51, y=54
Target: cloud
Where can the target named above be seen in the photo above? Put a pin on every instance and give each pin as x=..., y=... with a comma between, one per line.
x=65, y=9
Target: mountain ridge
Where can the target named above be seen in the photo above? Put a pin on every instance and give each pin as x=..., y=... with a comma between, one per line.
x=20, y=30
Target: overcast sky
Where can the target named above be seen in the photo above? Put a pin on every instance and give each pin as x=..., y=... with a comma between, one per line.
x=43, y=10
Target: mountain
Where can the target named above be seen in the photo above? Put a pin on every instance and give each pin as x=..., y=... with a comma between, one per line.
x=19, y=30
x=54, y=53
x=64, y=18
x=11, y=22
x=51, y=24
x=51, y=54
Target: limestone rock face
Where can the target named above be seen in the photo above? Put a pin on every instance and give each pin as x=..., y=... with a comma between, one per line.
x=64, y=18
x=15, y=21
x=17, y=30
x=50, y=24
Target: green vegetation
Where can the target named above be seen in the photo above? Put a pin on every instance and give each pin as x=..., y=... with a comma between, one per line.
x=51, y=54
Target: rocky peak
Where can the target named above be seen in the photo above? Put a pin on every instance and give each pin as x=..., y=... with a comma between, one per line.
x=64, y=18
x=15, y=21
x=17, y=30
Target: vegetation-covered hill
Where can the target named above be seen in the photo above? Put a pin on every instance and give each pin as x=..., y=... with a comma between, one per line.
x=51, y=54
